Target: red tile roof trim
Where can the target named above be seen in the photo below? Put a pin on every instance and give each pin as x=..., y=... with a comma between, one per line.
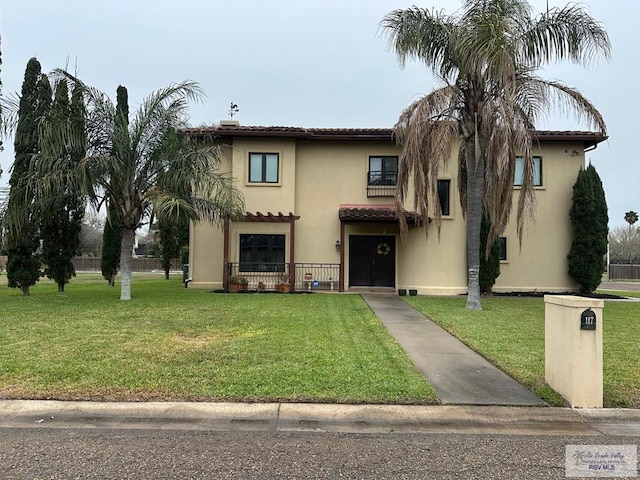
x=373, y=213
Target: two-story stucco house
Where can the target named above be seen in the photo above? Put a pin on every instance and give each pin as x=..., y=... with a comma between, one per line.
x=320, y=209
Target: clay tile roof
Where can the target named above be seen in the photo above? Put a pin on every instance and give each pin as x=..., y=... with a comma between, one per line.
x=373, y=213
x=589, y=139
x=227, y=131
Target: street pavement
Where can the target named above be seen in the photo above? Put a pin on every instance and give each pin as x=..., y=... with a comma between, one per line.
x=63, y=454
x=620, y=286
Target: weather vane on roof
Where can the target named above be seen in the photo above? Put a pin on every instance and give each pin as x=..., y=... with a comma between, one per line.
x=233, y=109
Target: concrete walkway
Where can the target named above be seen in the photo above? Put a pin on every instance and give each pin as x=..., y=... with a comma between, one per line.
x=459, y=375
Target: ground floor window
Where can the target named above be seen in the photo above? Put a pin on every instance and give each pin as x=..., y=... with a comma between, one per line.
x=444, y=187
x=503, y=248
x=261, y=253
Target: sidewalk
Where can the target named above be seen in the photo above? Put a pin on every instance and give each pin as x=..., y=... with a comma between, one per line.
x=459, y=375
x=292, y=417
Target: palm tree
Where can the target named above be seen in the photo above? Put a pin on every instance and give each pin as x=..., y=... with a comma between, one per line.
x=142, y=165
x=486, y=56
x=631, y=218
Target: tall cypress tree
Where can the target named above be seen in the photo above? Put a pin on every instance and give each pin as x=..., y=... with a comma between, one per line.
x=589, y=221
x=23, y=239
x=112, y=236
x=174, y=236
x=111, y=240
x=62, y=224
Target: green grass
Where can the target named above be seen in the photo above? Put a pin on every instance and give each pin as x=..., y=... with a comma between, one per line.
x=510, y=333
x=171, y=343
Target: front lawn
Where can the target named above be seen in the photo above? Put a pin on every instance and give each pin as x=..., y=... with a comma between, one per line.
x=171, y=343
x=510, y=333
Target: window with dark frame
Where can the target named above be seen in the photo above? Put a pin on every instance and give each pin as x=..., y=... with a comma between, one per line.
x=537, y=172
x=503, y=248
x=444, y=195
x=262, y=253
x=383, y=170
x=263, y=167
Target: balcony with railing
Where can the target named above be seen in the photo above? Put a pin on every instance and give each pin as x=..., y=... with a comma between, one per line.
x=270, y=277
x=381, y=184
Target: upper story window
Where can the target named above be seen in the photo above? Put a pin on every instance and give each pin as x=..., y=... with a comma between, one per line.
x=383, y=170
x=444, y=196
x=537, y=171
x=264, y=167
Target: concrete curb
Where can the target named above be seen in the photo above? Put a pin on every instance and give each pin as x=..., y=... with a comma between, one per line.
x=288, y=417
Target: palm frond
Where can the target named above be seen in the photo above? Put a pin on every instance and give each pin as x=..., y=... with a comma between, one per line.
x=428, y=132
x=569, y=100
x=9, y=106
x=423, y=35
x=567, y=33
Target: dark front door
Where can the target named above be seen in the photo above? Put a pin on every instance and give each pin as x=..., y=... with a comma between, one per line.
x=372, y=261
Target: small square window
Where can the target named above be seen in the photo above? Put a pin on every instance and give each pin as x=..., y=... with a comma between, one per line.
x=383, y=170
x=263, y=167
x=444, y=196
x=503, y=248
x=537, y=171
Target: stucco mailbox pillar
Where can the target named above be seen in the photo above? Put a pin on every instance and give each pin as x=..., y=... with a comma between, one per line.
x=573, y=348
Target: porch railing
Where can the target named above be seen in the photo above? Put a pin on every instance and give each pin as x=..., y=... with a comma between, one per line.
x=301, y=276
x=381, y=184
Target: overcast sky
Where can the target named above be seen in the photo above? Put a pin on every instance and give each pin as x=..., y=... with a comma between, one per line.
x=310, y=63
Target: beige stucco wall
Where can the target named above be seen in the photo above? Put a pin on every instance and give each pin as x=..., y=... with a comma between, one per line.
x=434, y=262
x=206, y=241
x=542, y=262
x=316, y=177
x=266, y=197
x=326, y=178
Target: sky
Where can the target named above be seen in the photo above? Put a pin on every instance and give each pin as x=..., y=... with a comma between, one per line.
x=307, y=63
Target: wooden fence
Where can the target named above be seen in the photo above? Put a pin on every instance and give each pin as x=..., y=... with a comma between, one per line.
x=624, y=272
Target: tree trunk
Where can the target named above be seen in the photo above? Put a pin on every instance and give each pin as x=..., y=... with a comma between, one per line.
x=166, y=273
x=126, y=262
x=475, y=191
x=61, y=287
x=25, y=291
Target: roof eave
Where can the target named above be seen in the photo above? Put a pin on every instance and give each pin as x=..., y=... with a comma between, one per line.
x=588, y=139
